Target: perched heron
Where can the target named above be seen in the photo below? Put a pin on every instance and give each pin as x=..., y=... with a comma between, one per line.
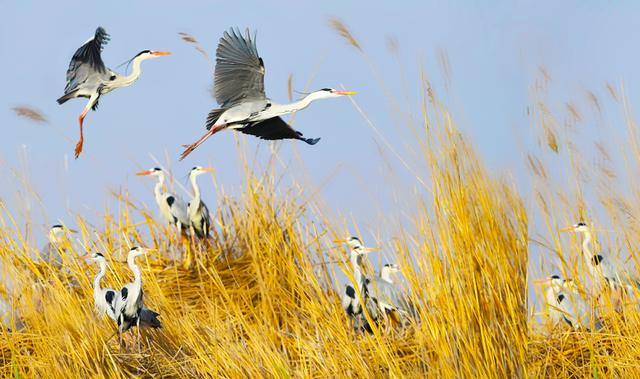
x=600, y=266
x=388, y=297
x=172, y=208
x=239, y=89
x=88, y=77
x=104, y=298
x=57, y=245
x=199, y=218
x=129, y=306
x=352, y=300
x=565, y=304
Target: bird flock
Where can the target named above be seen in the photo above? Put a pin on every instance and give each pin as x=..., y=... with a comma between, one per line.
x=243, y=106
x=566, y=303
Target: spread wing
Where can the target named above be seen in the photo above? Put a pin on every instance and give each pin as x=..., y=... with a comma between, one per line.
x=274, y=129
x=239, y=72
x=86, y=62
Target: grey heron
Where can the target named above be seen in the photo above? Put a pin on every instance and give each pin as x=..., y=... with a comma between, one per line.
x=173, y=209
x=88, y=77
x=199, y=218
x=600, y=266
x=239, y=89
x=352, y=299
x=57, y=244
x=565, y=304
x=105, y=299
x=129, y=305
x=388, y=297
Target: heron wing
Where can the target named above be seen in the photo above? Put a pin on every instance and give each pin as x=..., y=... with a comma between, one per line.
x=239, y=72
x=275, y=129
x=87, y=62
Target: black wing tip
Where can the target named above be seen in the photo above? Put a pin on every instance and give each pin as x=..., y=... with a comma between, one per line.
x=311, y=141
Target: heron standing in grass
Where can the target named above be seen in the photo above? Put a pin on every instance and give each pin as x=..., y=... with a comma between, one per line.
x=389, y=298
x=199, y=218
x=239, y=89
x=601, y=268
x=129, y=305
x=88, y=77
x=352, y=299
x=172, y=208
x=565, y=304
x=57, y=245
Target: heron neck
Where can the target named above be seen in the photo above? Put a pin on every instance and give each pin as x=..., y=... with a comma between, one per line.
x=386, y=276
x=357, y=274
x=196, y=190
x=136, y=70
x=302, y=103
x=586, y=246
x=158, y=188
x=137, y=276
x=99, y=276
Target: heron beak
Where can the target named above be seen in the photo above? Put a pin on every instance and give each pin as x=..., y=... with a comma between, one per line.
x=72, y=231
x=144, y=173
x=542, y=282
x=344, y=93
x=85, y=257
x=160, y=53
x=208, y=169
x=567, y=229
x=340, y=241
x=369, y=249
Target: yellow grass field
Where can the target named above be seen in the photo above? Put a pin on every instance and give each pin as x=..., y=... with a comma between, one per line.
x=261, y=300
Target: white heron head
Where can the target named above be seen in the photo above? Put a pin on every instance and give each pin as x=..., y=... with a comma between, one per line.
x=327, y=93
x=156, y=171
x=199, y=170
x=391, y=268
x=148, y=54
x=580, y=227
x=95, y=257
x=58, y=233
x=137, y=251
x=356, y=246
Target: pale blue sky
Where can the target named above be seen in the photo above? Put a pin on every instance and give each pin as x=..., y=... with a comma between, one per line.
x=494, y=49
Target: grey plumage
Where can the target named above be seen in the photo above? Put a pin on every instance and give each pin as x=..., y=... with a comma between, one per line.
x=239, y=89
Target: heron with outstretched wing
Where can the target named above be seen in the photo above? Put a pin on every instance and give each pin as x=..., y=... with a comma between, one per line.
x=88, y=77
x=239, y=89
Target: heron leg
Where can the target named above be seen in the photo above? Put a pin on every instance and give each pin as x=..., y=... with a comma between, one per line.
x=189, y=148
x=87, y=108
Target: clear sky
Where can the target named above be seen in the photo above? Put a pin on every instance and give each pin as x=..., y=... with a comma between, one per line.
x=494, y=49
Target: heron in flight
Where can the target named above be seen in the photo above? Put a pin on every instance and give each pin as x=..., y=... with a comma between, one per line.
x=199, y=218
x=172, y=208
x=88, y=77
x=129, y=305
x=565, y=304
x=239, y=89
x=601, y=268
x=352, y=299
x=57, y=244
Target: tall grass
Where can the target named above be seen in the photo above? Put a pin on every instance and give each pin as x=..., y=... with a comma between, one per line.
x=260, y=300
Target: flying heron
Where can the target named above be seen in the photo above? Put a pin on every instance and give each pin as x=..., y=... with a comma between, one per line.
x=129, y=306
x=172, y=208
x=601, y=268
x=57, y=244
x=198, y=212
x=88, y=77
x=565, y=304
x=239, y=89
x=352, y=299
